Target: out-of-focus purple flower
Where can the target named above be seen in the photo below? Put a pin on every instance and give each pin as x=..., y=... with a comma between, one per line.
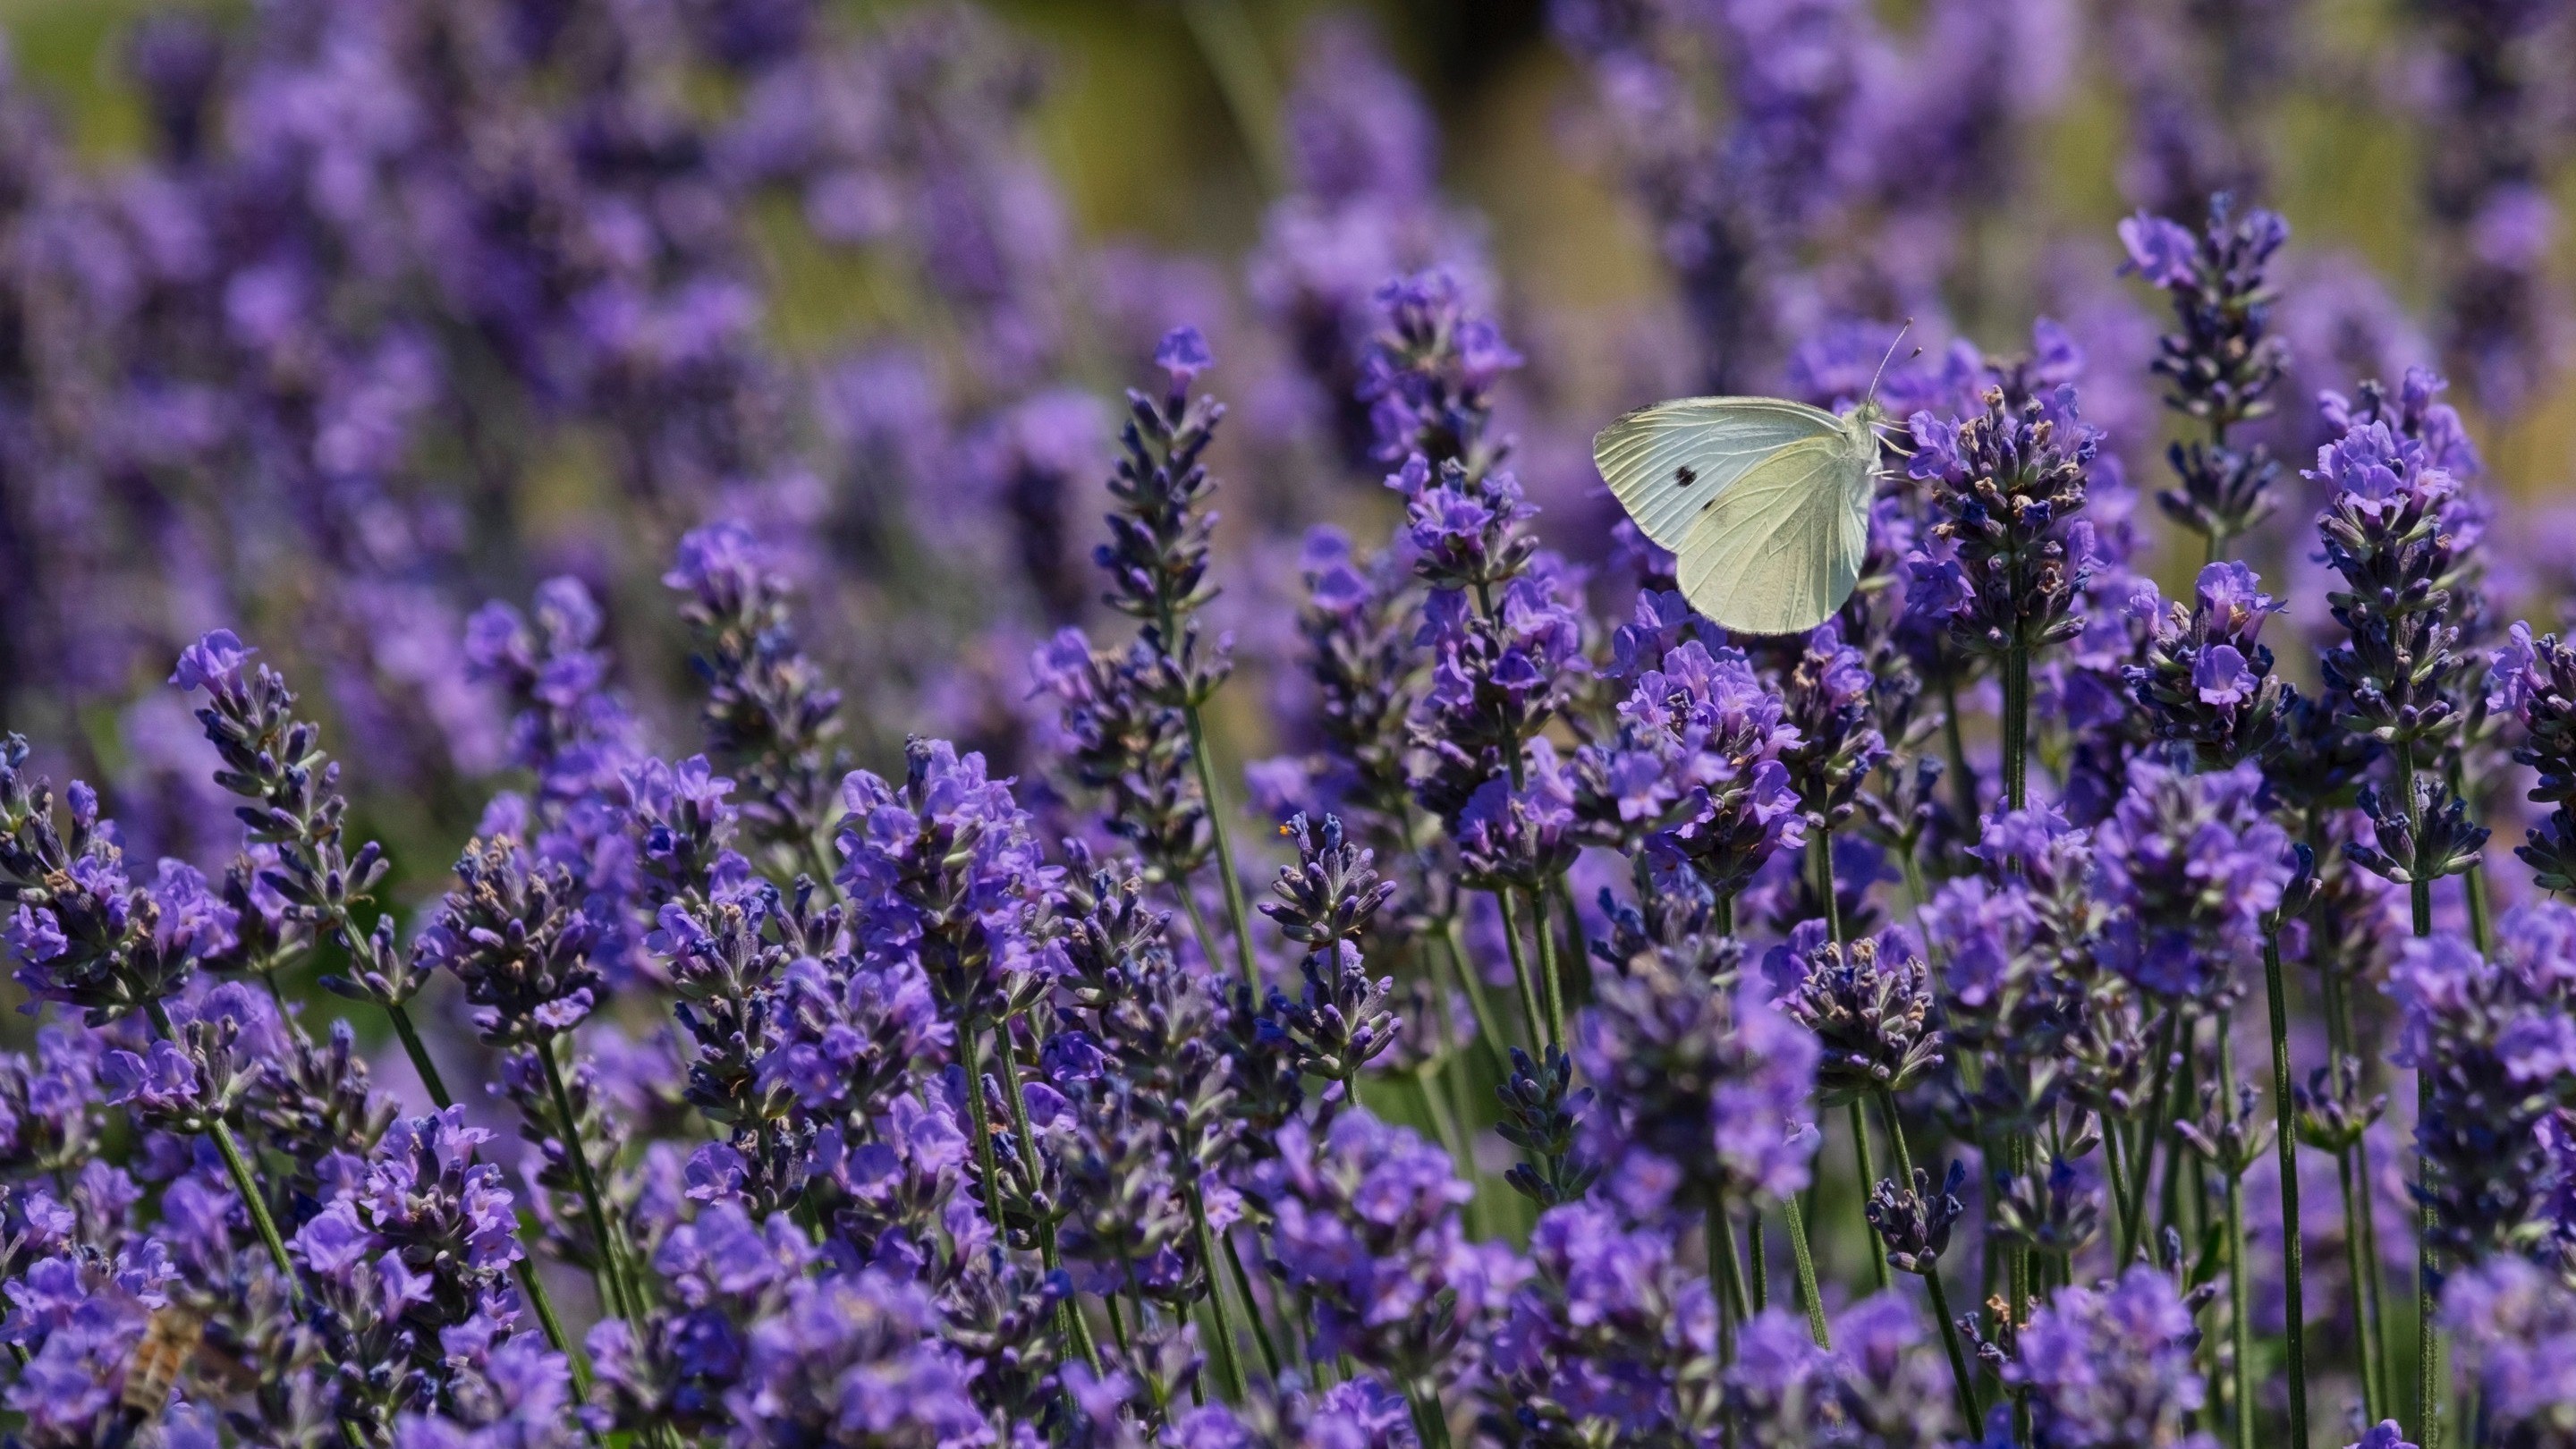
x=2223, y=362
x=1707, y=1076
x=2112, y=1365
x=2496, y=1038
x=770, y=718
x=2514, y=1325
x=2193, y=867
x=1878, y=1387
x=1429, y=377
x=853, y=1359
x=1609, y=1325
x=2533, y=682
x=2162, y=252
x=1365, y=1225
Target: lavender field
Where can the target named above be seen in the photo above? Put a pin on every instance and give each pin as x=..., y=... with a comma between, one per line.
x=802, y=724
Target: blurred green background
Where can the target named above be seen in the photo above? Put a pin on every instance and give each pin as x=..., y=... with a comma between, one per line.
x=1144, y=122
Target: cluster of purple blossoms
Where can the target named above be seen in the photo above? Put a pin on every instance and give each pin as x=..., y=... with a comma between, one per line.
x=2223, y=363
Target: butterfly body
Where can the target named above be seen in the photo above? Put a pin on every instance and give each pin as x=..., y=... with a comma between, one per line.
x=1763, y=502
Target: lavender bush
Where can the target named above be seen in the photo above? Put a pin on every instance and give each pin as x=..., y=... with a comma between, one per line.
x=627, y=874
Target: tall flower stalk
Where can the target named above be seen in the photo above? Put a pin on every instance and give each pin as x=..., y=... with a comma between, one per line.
x=2221, y=366
x=2390, y=532
x=275, y=758
x=90, y=939
x=2007, y=484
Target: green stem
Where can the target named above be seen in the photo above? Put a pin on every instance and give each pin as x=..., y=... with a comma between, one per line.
x=1068, y=1313
x=2284, y=1125
x=1489, y=1037
x=2360, y=1229
x=1551, y=984
x=2115, y=1159
x=2157, y=1101
x=2240, y=1288
x=1727, y=1261
x=1578, y=946
x=2016, y=726
x=1963, y=781
x=1199, y=931
x=1237, y=915
x=1231, y=47
x=1760, y=1263
x=988, y=1168
x=421, y=1064
x=1806, y=1260
x=1430, y=1420
x=1229, y=1363
x=2429, y=1388
x=1971, y=1416
x=612, y=1276
x=2359, y=1269
x=1117, y=1322
x=1530, y=1008
x=2017, y=1253
x=2364, y=1248
x=1820, y=866
x=1444, y=1123
x=1243, y=1289
x=1869, y=1184
x=2481, y=927
x=1959, y=1375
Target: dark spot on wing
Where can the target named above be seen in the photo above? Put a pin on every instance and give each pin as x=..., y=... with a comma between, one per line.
x=1684, y=476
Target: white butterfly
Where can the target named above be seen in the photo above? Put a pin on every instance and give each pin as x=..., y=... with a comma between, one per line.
x=1764, y=501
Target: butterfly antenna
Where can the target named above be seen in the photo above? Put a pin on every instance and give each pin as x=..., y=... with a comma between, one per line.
x=1893, y=343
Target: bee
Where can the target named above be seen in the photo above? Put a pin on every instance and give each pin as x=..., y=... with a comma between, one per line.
x=169, y=1341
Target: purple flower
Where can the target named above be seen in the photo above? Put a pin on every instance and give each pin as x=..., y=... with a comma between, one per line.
x=2494, y=1039
x=853, y=1359
x=1429, y=377
x=2534, y=682
x=162, y=1082
x=514, y=934
x=2163, y=252
x=1365, y=1225
x=2193, y=867
x=1880, y=1385
x=2221, y=676
x=942, y=868
x=213, y=664
x=2112, y=1365
x=2515, y=1329
x=1833, y=709
x=1708, y=1077
x=1184, y=354
x=2006, y=486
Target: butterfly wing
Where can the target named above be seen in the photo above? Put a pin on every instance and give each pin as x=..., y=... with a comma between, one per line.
x=1666, y=463
x=1779, y=550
